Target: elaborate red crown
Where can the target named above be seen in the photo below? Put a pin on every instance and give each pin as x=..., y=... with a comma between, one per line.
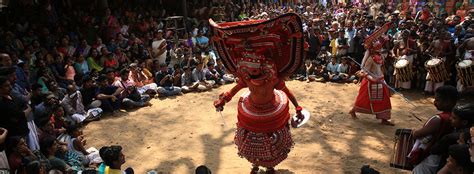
x=279, y=40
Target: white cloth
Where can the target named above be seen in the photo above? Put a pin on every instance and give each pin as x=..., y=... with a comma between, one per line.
x=32, y=140
x=428, y=165
x=342, y=68
x=4, y=166
x=404, y=85
x=468, y=54
x=144, y=88
x=431, y=86
x=155, y=45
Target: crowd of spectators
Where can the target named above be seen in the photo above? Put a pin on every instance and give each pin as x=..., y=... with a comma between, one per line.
x=64, y=65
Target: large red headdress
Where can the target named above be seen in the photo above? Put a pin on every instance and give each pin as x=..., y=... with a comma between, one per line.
x=376, y=40
x=278, y=40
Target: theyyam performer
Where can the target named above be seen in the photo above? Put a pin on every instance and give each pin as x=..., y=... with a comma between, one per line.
x=374, y=95
x=262, y=53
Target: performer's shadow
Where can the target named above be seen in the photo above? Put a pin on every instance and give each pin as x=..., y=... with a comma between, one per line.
x=284, y=171
x=279, y=171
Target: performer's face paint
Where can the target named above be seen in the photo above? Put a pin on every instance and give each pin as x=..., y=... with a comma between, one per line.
x=257, y=71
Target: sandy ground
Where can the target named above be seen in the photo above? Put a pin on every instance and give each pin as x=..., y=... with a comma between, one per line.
x=177, y=134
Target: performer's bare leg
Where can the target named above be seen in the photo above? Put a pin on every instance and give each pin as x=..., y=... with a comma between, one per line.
x=353, y=114
x=386, y=122
x=270, y=170
x=254, y=169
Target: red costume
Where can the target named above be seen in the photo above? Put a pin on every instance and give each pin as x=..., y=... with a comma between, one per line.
x=374, y=95
x=261, y=53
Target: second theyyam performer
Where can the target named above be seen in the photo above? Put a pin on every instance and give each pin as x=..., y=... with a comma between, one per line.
x=374, y=95
x=262, y=53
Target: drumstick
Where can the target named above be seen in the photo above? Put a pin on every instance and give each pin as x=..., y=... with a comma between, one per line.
x=389, y=87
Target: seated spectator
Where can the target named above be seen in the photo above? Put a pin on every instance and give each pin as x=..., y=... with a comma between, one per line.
x=332, y=70
x=69, y=70
x=164, y=79
x=111, y=75
x=36, y=94
x=436, y=127
x=228, y=78
x=84, y=48
x=46, y=107
x=44, y=78
x=81, y=65
x=213, y=75
x=18, y=154
x=458, y=160
x=108, y=95
x=94, y=61
x=121, y=57
x=13, y=118
x=58, y=71
x=109, y=61
x=46, y=129
x=353, y=69
x=141, y=81
x=74, y=107
x=131, y=97
x=57, y=91
x=113, y=159
x=199, y=76
x=58, y=120
x=89, y=94
x=177, y=73
x=76, y=145
x=49, y=148
x=202, y=42
x=342, y=71
x=146, y=68
x=461, y=121
x=187, y=82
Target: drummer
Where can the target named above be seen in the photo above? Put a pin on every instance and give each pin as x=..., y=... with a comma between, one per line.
x=440, y=47
x=405, y=48
x=436, y=127
x=467, y=49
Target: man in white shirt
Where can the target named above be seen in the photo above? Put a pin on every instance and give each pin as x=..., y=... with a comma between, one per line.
x=159, y=47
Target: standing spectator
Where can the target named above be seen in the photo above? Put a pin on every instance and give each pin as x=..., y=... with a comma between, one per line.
x=342, y=44
x=159, y=47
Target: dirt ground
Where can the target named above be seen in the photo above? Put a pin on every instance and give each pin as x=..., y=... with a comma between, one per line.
x=177, y=134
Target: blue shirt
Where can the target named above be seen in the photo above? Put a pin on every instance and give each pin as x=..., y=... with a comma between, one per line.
x=22, y=78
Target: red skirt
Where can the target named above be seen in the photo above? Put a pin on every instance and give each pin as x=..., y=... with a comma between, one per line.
x=263, y=135
x=373, y=98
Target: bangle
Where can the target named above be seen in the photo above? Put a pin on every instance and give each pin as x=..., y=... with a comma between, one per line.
x=299, y=108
